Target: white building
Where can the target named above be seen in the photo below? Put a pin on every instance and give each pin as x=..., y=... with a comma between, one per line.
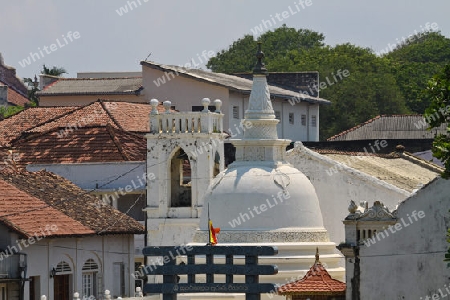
x=56, y=240
x=299, y=117
x=399, y=254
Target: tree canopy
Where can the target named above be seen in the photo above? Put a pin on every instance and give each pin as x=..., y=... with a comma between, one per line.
x=438, y=113
x=388, y=84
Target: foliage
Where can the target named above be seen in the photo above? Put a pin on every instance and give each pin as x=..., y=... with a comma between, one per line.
x=7, y=111
x=240, y=56
x=414, y=62
x=55, y=71
x=438, y=113
x=32, y=89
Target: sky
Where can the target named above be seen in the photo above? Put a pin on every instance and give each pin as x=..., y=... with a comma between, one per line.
x=115, y=35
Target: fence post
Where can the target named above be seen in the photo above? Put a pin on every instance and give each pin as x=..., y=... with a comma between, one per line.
x=76, y=296
x=107, y=294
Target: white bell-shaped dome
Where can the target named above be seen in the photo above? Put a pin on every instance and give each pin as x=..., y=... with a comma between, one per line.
x=262, y=197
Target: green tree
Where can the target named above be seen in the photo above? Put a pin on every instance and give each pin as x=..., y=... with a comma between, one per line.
x=438, y=113
x=414, y=62
x=54, y=71
x=240, y=56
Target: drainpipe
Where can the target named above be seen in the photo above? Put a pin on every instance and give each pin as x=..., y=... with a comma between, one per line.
x=356, y=276
x=24, y=277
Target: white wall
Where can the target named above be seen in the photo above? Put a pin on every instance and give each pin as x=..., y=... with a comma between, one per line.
x=408, y=264
x=45, y=254
x=89, y=176
x=336, y=191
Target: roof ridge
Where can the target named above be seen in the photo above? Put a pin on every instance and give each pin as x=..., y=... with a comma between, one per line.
x=109, y=114
x=117, y=142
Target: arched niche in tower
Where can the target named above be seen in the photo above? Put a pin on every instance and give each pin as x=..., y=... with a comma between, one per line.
x=216, y=166
x=180, y=180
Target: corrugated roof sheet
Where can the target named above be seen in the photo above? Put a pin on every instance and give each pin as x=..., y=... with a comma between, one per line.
x=92, y=86
x=389, y=127
x=401, y=171
x=229, y=81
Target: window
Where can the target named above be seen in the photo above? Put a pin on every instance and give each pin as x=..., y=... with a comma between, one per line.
x=278, y=115
x=236, y=112
x=313, y=121
x=303, y=120
x=89, y=278
x=291, y=118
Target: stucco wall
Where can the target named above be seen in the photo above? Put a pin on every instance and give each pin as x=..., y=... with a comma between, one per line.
x=336, y=191
x=408, y=264
x=45, y=254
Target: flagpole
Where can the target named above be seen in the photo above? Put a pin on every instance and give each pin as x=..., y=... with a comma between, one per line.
x=209, y=229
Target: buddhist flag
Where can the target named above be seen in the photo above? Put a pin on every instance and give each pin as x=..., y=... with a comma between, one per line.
x=212, y=233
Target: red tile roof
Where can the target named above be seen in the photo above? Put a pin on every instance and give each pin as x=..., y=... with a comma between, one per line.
x=316, y=282
x=12, y=127
x=31, y=216
x=87, y=144
x=134, y=117
x=30, y=201
x=17, y=98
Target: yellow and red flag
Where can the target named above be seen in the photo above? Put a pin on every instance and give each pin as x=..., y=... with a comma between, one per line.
x=212, y=233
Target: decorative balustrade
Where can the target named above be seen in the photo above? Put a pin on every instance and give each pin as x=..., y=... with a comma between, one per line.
x=186, y=122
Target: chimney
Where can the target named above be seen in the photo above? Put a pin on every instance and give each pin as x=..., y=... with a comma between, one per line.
x=45, y=80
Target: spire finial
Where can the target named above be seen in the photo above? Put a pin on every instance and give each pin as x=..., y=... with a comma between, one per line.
x=317, y=256
x=260, y=68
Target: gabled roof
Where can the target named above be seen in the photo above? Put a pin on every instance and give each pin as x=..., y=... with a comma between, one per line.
x=317, y=281
x=16, y=98
x=134, y=117
x=101, y=143
x=12, y=127
x=29, y=216
x=231, y=82
x=389, y=127
x=93, y=86
x=34, y=200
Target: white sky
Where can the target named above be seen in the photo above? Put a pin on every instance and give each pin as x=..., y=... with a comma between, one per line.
x=176, y=31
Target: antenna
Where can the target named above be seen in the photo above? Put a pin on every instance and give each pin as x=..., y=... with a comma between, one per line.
x=148, y=56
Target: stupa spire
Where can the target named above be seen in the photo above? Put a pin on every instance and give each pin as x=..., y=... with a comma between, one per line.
x=260, y=111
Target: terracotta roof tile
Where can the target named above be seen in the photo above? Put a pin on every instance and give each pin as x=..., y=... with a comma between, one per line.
x=84, y=213
x=317, y=281
x=12, y=127
x=89, y=144
x=30, y=216
x=17, y=98
x=134, y=117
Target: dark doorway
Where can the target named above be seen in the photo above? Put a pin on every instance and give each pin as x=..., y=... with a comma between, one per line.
x=61, y=287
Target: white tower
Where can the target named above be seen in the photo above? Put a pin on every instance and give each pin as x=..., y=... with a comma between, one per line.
x=184, y=153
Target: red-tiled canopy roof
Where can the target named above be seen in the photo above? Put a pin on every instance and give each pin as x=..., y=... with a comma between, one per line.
x=316, y=282
x=16, y=98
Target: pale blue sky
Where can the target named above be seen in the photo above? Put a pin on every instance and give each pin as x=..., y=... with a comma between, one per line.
x=176, y=31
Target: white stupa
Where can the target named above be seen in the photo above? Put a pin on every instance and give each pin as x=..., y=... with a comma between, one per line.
x=260, y=199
